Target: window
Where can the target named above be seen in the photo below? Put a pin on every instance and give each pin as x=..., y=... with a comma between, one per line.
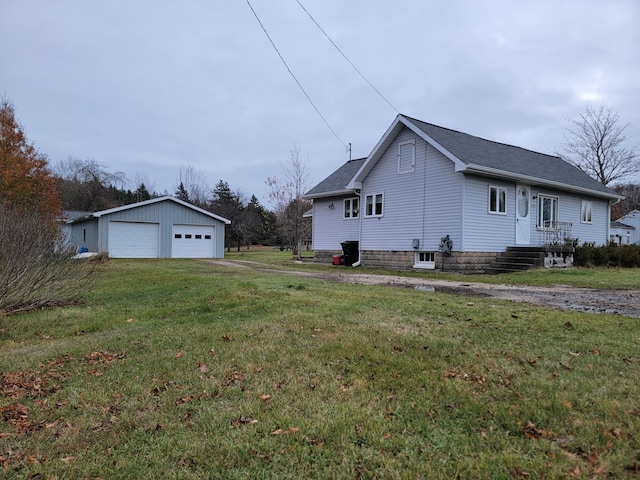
x=425, y=260
x=547, y=212
x=178, y=235
x=351, y=207
x=187, y=235
x=198, y=237
x=407, y=157
x=497, y=200
x=585, y=215
x=373, y=205
x=207, y=237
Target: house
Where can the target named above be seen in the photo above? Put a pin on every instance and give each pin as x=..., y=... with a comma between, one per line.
x=621, y=234
x=627, y=229
x=430, y=197
x=163, y=227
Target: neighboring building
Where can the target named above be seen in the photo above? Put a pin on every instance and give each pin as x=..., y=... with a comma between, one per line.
x=423, y=185
x=162, y=227
x=630, y=222
x=621, y=234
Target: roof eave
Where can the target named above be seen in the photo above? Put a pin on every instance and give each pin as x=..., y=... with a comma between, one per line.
x=333, y=193
x=494, y=172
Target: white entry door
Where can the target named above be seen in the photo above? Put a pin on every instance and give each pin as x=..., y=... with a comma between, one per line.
x=523, y=212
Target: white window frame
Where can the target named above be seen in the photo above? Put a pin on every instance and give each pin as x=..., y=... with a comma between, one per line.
x=501, y=194
x=351, y=212
x=426, y=260
x=407, y=163
x=586, y=211
x=540, y=216
x=371, y=203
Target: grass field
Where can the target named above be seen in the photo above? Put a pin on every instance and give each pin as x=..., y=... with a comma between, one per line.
x=177, y=369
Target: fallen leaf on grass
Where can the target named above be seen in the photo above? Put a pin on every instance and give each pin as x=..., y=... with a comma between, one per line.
x=203, y=367
x=534, y=433
x=179, y=354
x=225, y=338
x=265, y=397
x=288, y=431
x=242, y=420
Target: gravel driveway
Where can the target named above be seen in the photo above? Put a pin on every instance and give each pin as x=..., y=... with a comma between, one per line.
x=621, y=302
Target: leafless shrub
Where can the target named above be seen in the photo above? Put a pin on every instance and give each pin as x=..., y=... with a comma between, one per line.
x=37, y=268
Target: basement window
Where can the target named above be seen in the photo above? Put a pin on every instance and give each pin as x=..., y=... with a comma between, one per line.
x=425, y=260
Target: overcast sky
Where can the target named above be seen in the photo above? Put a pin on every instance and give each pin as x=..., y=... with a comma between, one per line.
x=147, y=86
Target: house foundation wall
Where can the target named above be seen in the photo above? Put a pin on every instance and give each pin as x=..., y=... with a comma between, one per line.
x=466, y=262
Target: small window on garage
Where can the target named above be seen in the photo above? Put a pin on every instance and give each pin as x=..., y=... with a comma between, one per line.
x=207, y=237
x=188, y=235
x=178, y=235
x=198, y=237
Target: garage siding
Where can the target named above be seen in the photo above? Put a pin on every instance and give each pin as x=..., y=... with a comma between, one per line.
x=166, y=214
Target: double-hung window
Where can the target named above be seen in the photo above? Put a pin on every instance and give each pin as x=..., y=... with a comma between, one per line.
x=497, y=200
x=407, y=157
x=585, y=214
x=351, y=207
x=547, y=212
x=373, y=205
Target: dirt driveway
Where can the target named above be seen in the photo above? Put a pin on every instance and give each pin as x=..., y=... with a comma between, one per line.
x=621, y=302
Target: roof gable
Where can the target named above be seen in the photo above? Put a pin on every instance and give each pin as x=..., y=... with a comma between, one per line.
x=485, y=157
x=157, y=200
x=336, y=183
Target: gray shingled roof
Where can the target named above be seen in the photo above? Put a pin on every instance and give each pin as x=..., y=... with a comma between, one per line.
x=480, y=156
x=335, y=184
x=507, y=158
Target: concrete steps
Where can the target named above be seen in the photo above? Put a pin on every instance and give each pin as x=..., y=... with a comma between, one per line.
x=517, y=259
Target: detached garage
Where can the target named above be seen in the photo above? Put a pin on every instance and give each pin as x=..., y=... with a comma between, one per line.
x=163, y=227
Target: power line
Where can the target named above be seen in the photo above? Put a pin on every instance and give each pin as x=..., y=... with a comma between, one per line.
x=345, y=57
x=294, y=77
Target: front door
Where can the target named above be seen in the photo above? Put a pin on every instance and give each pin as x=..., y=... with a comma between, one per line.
x=523, y=208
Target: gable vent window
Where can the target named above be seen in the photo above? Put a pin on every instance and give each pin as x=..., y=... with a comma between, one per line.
x=497, y=200
x=407, y=157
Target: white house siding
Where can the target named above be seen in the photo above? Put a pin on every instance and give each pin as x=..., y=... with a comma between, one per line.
x=484, y=231
x=166, y=214
x=330, y=228
x=423, y=205
x=632, y=219
x=570, y=210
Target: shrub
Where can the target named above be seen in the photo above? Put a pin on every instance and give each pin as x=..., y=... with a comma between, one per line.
x=37, y=269
x=610, y=255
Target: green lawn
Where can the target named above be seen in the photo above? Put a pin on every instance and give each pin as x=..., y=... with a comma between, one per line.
x=177, y=369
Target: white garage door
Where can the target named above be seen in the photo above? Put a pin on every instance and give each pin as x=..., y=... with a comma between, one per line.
x=193, y=241
x=133, y=240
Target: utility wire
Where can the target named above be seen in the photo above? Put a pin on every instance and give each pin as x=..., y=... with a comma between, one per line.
x=345, y=57
x=294, y=77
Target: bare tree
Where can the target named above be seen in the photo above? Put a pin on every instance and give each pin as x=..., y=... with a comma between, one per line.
x=195, y=184
x=289, y=206
x=36, y=264
x=595, y=143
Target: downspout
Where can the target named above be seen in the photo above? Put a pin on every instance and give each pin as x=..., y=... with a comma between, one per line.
x=357, y=264
x=609, y=218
